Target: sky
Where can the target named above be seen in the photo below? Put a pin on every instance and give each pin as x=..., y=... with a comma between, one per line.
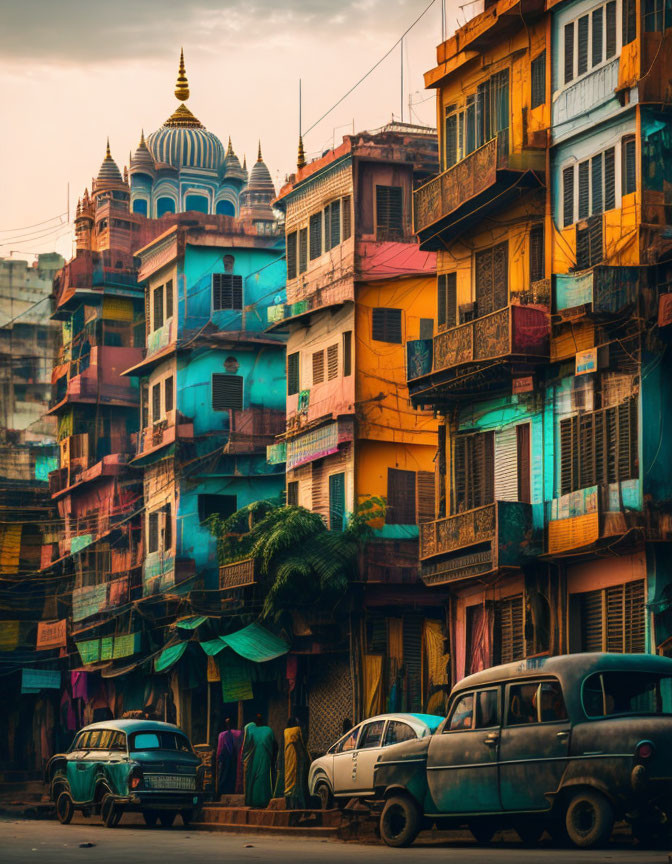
x=77, y=71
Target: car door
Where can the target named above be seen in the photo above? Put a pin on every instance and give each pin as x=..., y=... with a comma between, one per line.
x=462, y=756
x=534, y=744
x=369, y=745
x=345, y=759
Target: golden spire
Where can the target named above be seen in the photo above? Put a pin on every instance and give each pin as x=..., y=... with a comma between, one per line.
x=301, y=159
x=229, y=149
x=244, y=162
x=108, y=155
x=259, y=159
x=142, y=143
x=182, y=85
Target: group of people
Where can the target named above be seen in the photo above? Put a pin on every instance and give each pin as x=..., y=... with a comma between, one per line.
x=248, y=763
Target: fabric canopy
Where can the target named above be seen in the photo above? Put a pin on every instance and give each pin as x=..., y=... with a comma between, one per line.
x=169, y=656
x=253, y=642
x=191, y=623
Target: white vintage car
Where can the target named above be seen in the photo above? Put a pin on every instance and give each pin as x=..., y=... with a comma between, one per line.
x=346, y=769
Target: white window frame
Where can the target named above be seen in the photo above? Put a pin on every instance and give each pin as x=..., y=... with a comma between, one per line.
x=574, y=164
x=575, y=34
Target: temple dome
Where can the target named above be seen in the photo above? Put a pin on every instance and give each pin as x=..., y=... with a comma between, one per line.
x=109, y=170
x=260, y=177
x=142, y=158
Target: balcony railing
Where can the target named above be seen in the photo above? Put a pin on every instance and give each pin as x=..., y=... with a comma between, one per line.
x=253, y=429
x=95, y=377
x=479, y=178
x=608, y=290
x=476, y=542
x=238, y=575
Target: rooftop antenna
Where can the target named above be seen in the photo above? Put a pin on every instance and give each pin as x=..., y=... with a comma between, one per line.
x=401, y=55
x=443, y=20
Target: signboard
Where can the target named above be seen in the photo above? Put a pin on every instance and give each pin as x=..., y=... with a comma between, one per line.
x=572, y=291
x=586, y=362
x=523, y=385
x=207, y=756
x=317, y=443
x=276, y=454
x=461, y=567
x=51, y=634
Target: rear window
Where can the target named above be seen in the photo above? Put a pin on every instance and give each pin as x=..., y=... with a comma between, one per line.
x=160, y=741
x=609, y=693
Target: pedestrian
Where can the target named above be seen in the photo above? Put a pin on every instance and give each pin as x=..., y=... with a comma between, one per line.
x=229, y=747
x=259, y=749
x=292, y=782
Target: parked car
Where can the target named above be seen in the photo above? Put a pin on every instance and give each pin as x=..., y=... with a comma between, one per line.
x=346, y=769
x=567, y=744
x=127, y=765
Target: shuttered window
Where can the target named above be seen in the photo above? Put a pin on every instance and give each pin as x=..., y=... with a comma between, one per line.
x=425, y=494
x=584, y=189
x=441, y=460
x=336, y=502
x=611, y=29
x=346, y=204
x=293, y=493
x=335, y=223
x=400, y=497
x=292, y=373
x=144, y=406
x=347, y=353
x=474, y=471
x=426, y=328
x=598, y=23
x=318, y=367
x=168, y=393
x=227, y=291
x=446, y=284
x=629, y=20
x=169, y=298
x=156, y=403
x=582, y=55
x=158, y=307
x=332, y=362
x=386, y=325
x=389, y=213
x=153, y=532
x=628, y=164
x=568, y=195
x=492, y=279
x=291, y=255
x=537, y=266
x=509, y=630
x=599, y=447
x=451, y=140
x=315, y=235
x=538, y=72
x=167, y=528
x=303, y=250
x=327, y=228
x=591, y=39
x=569, y=52
x=589, y=245
x=614, y=619
x=523, y=453
x=596, y=183
x=227, y=392
x=609, y=179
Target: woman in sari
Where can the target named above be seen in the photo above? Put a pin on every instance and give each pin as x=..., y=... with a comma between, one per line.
x=228, y=760
x=258, y=755
x=292, y=782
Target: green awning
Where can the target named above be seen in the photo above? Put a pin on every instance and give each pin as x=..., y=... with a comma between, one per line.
x=191, y=623
x=169, y=656
x=213, y=646
x=253, y=642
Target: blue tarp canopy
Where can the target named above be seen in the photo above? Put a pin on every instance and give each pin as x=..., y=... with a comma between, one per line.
x=253, y=642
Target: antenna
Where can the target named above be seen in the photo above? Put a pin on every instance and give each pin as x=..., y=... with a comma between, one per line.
x=299, y=107
x=401, y=99
x=443, y=20
x=68, y=207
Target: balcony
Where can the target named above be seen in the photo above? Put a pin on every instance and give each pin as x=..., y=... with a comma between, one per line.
x=607, y=290
x=88, y=274
x=478, y=356
x=164, y=432
x=459, y=195
x=253, y=429
x=334, y=294
x=476, y=543
x=95, y=378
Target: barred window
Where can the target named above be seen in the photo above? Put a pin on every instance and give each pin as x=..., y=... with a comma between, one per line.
x=446, y=284
x=227, y=291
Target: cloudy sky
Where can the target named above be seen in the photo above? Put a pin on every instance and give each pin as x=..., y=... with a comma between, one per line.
x=76, y=71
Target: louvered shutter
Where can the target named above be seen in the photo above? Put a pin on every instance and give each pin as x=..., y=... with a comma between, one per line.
x=441, y=460
x=595, y=239
x=523, y=453
x=451, y=140
x=303, y=250
x=318, y=367
x=597, y=185
x=609, y=179
x=386, y=325
x=332, y=362
x=569, y=52
x=568, y=195
x=336, y=501
x=293, y=493
x=156, y=403
x=346, y=205
x=425, y=496
x=506, y=468
x=628, y=164
x=400, y=497
x=567, y=456
x=412, y=636
x=483, y=266
x=227, y=392
x=538, y=74
x=168, y=397
x=335, y=222
x=158, y=307
x=537, y=264
x=634, y=618
x=292, y=373
x=459, y=485
x=500, y=272
x=291, y=255
x=315, y=235
x=169, y=298
x=614, y=597
x=629, y=23
x=227, y=291
x=389, y=215
x=598, y=35
x=591, y=605
x=451, y=299
x=153, y=533
x=441, y=300
x=582, y=56
x=327, y=228
x=487, y=474
x=347, y=353
x=611, y=29
x=509, y=630
x=584, y=189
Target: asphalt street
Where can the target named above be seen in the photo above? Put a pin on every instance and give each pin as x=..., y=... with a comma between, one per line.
x=47, y=841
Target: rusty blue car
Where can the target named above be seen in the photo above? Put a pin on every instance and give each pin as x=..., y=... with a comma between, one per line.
x=567, y=744
x=122, y=766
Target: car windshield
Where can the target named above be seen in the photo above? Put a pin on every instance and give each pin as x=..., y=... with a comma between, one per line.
x=608, y=693
x=160, y=741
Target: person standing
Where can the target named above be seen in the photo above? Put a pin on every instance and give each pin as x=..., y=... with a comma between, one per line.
x=292, y=782
x=259, y=750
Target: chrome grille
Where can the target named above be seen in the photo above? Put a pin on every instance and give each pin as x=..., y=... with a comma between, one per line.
x=170, y=781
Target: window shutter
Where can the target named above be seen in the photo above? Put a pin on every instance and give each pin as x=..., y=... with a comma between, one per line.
x=582, y=61
x=474, y=457
x=595, y=240
x=144, y=406
x=628, y=164
x=523, y=452
x=315, y=235
x=484, y=278
x=153, y=533
x=227, y=291
x=634, y=618
x=292, y=373
x=538, y=72
x=386, y=325
x=592, y=618
x=426, y=328
x=347, y=353
x=597, y=35
x=332, y=362
x=293, y=493
x=336, y=502
x=537, y=264
x=567, y=456
x=584, y=189
x=451, y=140
x=169, y=298
x=441, y=300
x=568, y=196
x=318, y=367
x=167, y=528
x=609, y=179
x=303, y=250
x=597, y=184
x=168, y=398
x=158, y=307
x=156, y=403
x=291, y=255
x=629, y=22
x=451, y=299
x=346, y=205
x=327, y=228
x=400, y=497
x=611, y=29
x=492, y=282
x=509, y=630
x=389, y=215
x=335, y=222
x=459, y=486
x=227, y=392
x=425, y=496
x=441, y=471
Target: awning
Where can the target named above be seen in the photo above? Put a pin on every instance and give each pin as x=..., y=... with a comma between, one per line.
x=253, y=642
x=169, y=656
x=191, y=623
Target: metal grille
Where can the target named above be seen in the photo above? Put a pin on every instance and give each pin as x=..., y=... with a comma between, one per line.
x=227, y=392
x=169, y=781
x=227, y=291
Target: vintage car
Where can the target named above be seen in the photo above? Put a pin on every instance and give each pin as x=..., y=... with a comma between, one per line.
x=127, y=765
x=567, y=744
x=346, y=769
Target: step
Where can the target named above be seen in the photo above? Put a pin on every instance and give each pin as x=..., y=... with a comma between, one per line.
x=280, y=830
x=216, y=813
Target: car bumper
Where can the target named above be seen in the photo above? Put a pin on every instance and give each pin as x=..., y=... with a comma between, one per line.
x=162, y=800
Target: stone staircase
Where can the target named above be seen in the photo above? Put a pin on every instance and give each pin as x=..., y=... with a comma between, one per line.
x=23, y=795
x=231, y=815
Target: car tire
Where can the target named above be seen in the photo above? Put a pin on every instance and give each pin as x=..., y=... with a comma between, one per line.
x=166, y=819
x=151, y=817
x=187, y=817
x=324, y=796
x=400, y=821
x=589, y=819
x=109, y=811
x=483, y=831
x=65, y=808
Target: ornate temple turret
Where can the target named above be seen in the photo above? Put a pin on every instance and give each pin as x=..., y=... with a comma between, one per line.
x=255, y=200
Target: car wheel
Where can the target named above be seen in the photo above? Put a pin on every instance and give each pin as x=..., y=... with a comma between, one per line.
x=150, y=817
x=326, y=799
x=483, y=831
x=65, y=809
x=400, y=821
x=589, y=819
x=166, y=819
x=187, y=817
x=529, y=832
x=110, y=812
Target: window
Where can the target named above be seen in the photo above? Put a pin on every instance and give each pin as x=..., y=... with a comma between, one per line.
x=568, y=196
x=158, y=307
x=227, y=291
x=599, y=447
x=303, y=250
x=160, y=741
x=537, y=263
x=168, y=393
x=597, y=186
x=227, y=392
x=484, y=116
x=292, y=373
x=144, y=406
x=332, y=362
x=386, y=325
x=169, y=298
x=153, y=532
x=347, y=217
x=628, y=165
x=347, y=353
x=492, y=279
x=487, y=705
x=349, y=742
x=372, y=734
x=400, y=497
x=509, y=630
x=538, y=74
x=167, y=528
x=222, y=505
x=582, y=58
x=229, y=262
x=609, y=693
x=336, y=501
x=535, y=702
x=293, y=493
x=397, y=732
x=315, y=235
x=291, y=255
x=446, y=284
x=629, y=20
x=426, y=328
x=474, y=467
x=589, y=245
x=462, y=716
x=656, y=17
x=332, y=224
x=425, y=496
x=590, y=40
x=569, y=52
x=389, y=214
x=318, y=367
x=613, y=619
x=156, y=403
x=523, y=453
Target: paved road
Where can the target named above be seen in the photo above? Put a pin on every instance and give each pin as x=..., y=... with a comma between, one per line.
x=37, y=841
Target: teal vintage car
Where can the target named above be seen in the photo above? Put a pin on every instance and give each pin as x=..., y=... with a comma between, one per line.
x=566, y=744
x=127, y=765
